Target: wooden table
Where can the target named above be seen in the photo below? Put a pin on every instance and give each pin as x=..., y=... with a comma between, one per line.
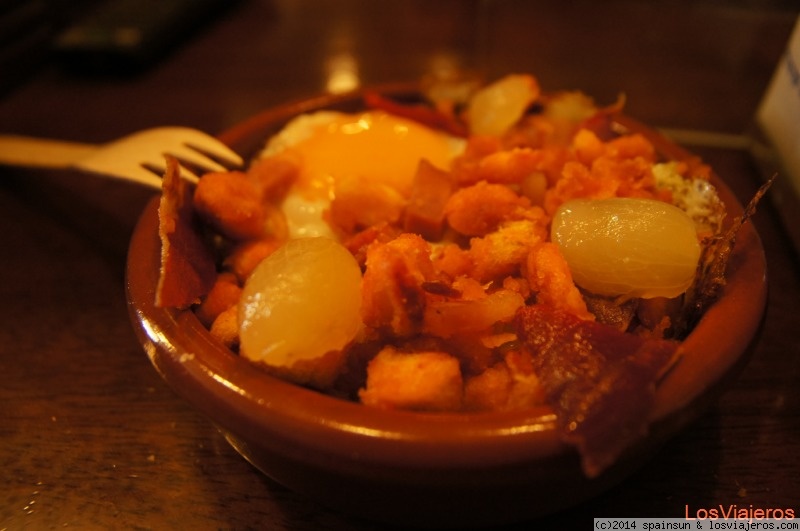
x=90, y=437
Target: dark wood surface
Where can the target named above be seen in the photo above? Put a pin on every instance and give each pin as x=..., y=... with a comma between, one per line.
x=91, y=438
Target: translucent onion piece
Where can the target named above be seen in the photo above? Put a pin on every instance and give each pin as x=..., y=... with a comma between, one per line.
x=496, y=107
x=300, y=303
x=627, y=247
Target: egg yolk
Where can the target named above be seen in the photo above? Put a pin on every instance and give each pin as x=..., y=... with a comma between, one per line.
x=373, y=145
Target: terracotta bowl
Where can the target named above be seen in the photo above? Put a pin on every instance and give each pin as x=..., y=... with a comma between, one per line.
x=434, y=470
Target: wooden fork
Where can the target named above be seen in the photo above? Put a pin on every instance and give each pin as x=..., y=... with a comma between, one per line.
x=138, y=157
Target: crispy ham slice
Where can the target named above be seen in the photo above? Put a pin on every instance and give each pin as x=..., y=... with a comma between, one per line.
x=712, y=268
x=600, y=381
x=187, y=265
x=420, y=113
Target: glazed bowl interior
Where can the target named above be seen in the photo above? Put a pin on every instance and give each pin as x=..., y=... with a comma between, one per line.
x=456, y=468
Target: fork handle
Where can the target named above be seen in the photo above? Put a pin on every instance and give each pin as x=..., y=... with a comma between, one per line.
x=16, y=150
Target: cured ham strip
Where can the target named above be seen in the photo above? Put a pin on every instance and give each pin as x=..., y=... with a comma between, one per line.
x=419, y=113
x=187, y=266
x=711, y=270
x=600, y=381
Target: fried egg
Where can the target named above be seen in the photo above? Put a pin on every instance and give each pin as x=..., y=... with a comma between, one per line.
x=329, y=146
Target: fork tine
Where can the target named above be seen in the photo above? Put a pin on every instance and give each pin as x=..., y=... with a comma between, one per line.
x=190, y=155
x=146, y=176
x=208, y=145
x=156, y=168
x=140, y=156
